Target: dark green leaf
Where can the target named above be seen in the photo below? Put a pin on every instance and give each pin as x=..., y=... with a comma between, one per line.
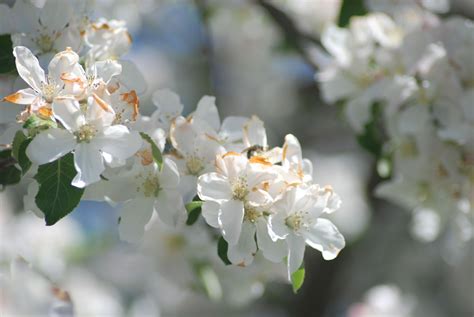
x=222, y=248
x=9, y=174
x=56, y=196
x=155, y=151
x=7, y=60
x=17, y=141
x=350, y=8
x=20, y=143
x=194, y=210
x=371, y=138
x=297, y=279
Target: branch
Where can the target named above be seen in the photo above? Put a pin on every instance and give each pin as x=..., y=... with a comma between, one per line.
x=297, y=38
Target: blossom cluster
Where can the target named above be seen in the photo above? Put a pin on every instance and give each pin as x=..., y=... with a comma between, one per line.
x=406, y=83
x=79, y=135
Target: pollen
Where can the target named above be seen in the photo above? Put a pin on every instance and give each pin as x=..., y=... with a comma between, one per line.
x=85, y=133
x=240, y=188
x=45, y=42
x=151, y=186
x=49, y=91
x=194, y=165
x=297, y=221
x=251, y=214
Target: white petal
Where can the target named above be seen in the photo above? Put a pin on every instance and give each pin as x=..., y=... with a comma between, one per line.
x=187, y=187
x=206, y=111
x=230, y=220
x=56, y=14
x=89, y=165
x=214, y=187
x=254, y=132
x=135, y=214
x=243, y=252
x=325, y=237
x=170, y=207
x=210, y=212
x=62, y=63
x=28, y=67
x=118, y=141
x=274, y=251
x=68, y=111
x=107, y=69
x=168, y=104
x=231, y=129
x=22, y=97
x=277, y=228
x=169, y=177
x=131, y=77
x=296, y=247
x=50, y=145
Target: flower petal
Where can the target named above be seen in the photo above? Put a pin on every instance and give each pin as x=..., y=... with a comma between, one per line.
x=118, y=141
x=296, y=247
x=89, y=165
x=29, y=68
x=134, y=215
x=107, y=69
x=50, y=145
x=274, y=251
x=22, y=97
x=210, y=212
x=206, y=111
x=243, y=252
x=170, y=207
x=62, y=63
x=230, y=220
x=325, y=237
x=68, y=111
x=214, y=187
x=169, y=177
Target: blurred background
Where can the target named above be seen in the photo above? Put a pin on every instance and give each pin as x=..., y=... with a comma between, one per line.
x=236, y=51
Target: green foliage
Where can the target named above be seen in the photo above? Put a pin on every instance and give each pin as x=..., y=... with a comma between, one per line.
x=7, y=60
x=194, y=210
x=9, y=174
x=222, y=248
x=371, y=138
x=35, y=124
x=297, y=279
x=350, y=8
x=155, y=151
x=20, y=143
x=56, y=196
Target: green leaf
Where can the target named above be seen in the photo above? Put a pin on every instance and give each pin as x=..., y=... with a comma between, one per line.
x=56, y=196
x=209, y=281
x=155, y=151
x=194, y=210
x=371, y=138
x=9, y=174
x=222, y=248
x=17, y=141
x=297, y=279
x=35, y=124
x=7, y=60
x=20, y=143
x=350, y=8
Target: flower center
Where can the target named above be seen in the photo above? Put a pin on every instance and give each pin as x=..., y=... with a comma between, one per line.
x=239, y=188
x=297, y=221
x=45, y=43
x=85, y=133
x=151, y=186
x=194, y=165
x=49, y=91
x=251, y=214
